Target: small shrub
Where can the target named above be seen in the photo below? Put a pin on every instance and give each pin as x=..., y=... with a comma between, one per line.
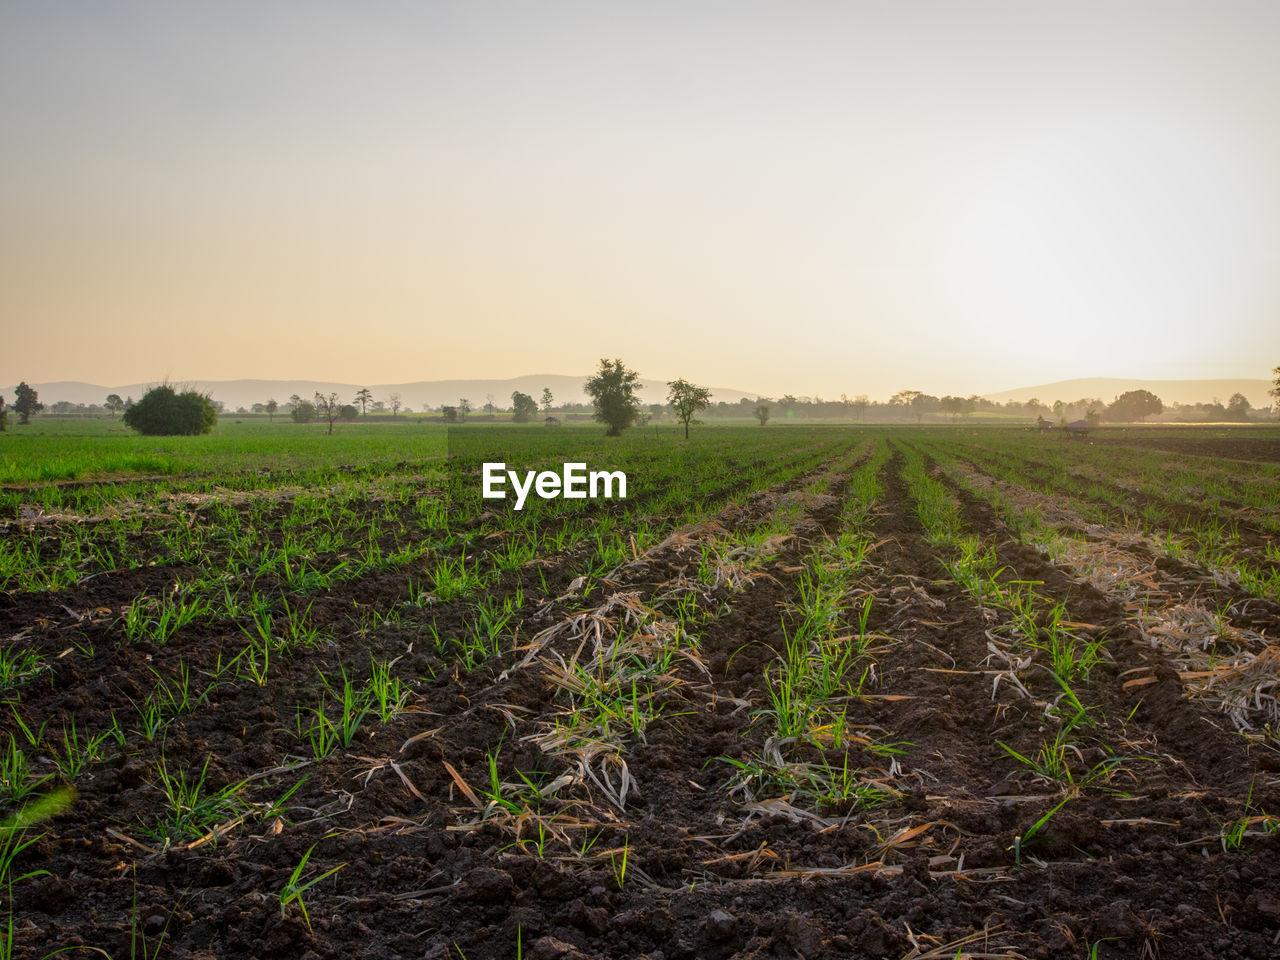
x=163, y=411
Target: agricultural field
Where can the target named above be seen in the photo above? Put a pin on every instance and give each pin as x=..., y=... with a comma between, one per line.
x=806, y=691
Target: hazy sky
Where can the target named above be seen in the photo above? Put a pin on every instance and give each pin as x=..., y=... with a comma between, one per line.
x=805, y=197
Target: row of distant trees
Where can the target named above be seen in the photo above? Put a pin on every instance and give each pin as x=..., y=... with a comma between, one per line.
x=615, y=402
x=162, y=410
x=904, y=405
x=523, y=407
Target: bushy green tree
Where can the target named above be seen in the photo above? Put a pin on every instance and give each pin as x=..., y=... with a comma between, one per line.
x=1238, y=408
x=114, y=403
x=762, y=413
x=613, y=391
x=302, y=411
x=524, y=408
x=26, y=402
x=1134, y=405
x=163, y=411
x=922, y=404
x=687, y=399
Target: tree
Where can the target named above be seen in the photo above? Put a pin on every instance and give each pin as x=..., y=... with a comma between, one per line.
x=1134, y=405
x=302, y=411
x=4, y=415
x=26, y=402
x=953, y=406
x=489, y=407
x=547, y=399
x=1238, y=408
x=114, y=404
x=348, y=413
x=787, y=402
x=450, y=414
x=613, y=392
x=328, y=408
x=393, y=401
x=464, y=407
x=762, y=413
x=923, y=403
x=271, y=407
x=687, y=399
x=364, y=398
x=163, y=411
x=524, y=408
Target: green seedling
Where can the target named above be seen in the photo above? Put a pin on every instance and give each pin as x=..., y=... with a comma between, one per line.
x=17, y=666
x=1030, y=833
x=156, y=620
x=16, y=779
x=192, y=810
x=619, y=863
x=326, y=735
x=452, y=580
x=384, y=689
x=294, y=889
x=77, y=753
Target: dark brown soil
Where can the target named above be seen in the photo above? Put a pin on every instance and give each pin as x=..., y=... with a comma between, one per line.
x=1226, y=448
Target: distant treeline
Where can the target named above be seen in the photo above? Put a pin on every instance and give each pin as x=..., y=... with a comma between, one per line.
x=904, y=406
x=913, y=405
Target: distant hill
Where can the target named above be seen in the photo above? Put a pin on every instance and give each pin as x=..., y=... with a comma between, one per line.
x=1170, y=391
x=237, y=393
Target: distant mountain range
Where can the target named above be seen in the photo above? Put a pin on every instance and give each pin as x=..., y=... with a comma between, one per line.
x=1170, y=391
x=238, y=393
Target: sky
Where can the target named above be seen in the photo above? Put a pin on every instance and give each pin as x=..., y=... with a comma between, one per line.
x=814, y=198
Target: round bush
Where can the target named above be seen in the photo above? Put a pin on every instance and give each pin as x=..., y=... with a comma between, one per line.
x=162, y=411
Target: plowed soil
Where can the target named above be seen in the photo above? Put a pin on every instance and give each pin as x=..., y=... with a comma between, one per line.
x=1140, y=868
